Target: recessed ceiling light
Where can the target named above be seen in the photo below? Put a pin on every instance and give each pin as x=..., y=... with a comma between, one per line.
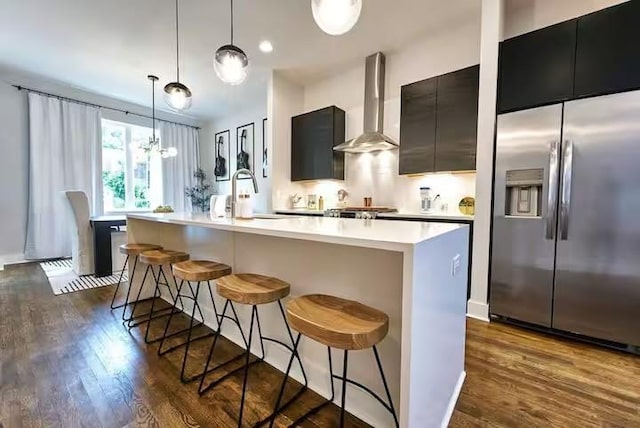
x=266, y=46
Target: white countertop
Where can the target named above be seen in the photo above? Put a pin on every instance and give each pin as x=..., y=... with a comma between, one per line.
x=421, y=215
x=396, y=235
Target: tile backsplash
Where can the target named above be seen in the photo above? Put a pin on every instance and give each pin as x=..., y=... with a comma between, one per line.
x=376, y=175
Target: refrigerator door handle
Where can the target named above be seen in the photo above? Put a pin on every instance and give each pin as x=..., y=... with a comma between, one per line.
x=565, y=190
x=552, y=191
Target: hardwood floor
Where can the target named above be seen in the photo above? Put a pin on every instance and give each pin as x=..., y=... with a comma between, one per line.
x=67, y=361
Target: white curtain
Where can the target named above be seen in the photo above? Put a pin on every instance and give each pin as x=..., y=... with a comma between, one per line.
x=64, y=154
x=177, y=172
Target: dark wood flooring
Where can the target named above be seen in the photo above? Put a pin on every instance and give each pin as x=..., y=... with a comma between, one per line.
x=67, y=361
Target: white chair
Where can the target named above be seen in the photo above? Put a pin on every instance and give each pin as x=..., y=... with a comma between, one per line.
x=81, y=233
x=82, y=257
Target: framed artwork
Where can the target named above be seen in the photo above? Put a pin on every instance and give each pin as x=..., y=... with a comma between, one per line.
x=245, y=148
x=222, y=151
x=265, y=156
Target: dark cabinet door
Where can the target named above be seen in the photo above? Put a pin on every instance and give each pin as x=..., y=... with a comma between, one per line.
x=457, y=120
x=418, y=127
x=537, y=68
x=313, y=136
x=608, y=51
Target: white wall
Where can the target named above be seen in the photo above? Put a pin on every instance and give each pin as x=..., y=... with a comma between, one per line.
x=376, y=174
x=14, y=141
x=285, y=99
x=523, y=16
x=262, y=201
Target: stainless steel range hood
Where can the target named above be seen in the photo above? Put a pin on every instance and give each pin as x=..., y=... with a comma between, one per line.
x=372, y=139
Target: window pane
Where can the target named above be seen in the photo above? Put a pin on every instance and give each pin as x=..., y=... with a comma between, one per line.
x=141, y=167
x=113, y=164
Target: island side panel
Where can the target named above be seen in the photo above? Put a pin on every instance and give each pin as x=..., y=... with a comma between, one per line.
x=434, y=328
x=370, y=276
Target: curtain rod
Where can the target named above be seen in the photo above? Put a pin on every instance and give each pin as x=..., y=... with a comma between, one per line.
x=60, y=97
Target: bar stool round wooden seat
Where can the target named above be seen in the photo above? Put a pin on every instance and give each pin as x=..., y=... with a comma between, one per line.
x=250, y=289
x=341, y=324
x=189, y=271
x=158, y=258
x=130, y=250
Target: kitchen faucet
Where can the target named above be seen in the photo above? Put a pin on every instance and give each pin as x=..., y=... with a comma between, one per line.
x=234, y=190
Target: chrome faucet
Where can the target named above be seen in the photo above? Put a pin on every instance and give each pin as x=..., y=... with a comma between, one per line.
x=234, y=190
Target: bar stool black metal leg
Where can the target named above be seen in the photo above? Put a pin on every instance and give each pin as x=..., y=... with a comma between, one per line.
x=295, y=350
x=316, y=409
x=153, y=303
x=386, y=386
x=202, y=376
x=113, y=300
x=246, y=365
x=166, y=281
x=193, y=314
x=135, y=303
x=130, y=281
x=166, y=326
x=344, y=386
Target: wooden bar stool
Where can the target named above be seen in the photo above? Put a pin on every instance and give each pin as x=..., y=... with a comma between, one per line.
x=157, y=258
x=130, y=250
x=341, y=324
x=254, y=290
x=197, y=271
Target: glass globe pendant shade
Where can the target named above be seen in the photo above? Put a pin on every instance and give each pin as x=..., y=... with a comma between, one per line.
x=231, y=63
x=336, y=17
x=177, y=96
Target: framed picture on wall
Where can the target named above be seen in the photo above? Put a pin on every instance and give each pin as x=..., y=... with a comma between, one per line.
x=245, y=148
x=265, y=156
x=222, y=151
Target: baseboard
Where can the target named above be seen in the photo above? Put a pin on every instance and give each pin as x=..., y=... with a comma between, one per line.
x=453, y=400
x=478, y=310
x=8, y=259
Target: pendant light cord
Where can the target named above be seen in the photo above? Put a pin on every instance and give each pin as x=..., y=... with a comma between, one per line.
x=177, y=45
x=232, y=22
x=153, y=109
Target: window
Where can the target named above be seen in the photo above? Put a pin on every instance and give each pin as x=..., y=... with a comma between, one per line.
x=132, y=179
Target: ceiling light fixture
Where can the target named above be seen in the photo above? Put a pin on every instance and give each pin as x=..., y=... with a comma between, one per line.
x=266, y=46
x=154, y=143
x=177, y=95
x=336, y=17
x=230, y=62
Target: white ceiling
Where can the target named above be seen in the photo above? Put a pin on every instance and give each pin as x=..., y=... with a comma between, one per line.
x=109, y=46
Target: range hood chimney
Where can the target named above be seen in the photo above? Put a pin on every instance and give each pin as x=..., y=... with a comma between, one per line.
x=372, y=139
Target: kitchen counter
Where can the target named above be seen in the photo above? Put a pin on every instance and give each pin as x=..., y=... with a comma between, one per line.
x=395, y=235
x=398, y=215
x=413, y=271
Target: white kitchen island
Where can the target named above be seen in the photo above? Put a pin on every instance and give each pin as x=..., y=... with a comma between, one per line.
x=415, y=272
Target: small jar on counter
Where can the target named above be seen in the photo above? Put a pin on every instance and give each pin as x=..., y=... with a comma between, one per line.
x=426, y=199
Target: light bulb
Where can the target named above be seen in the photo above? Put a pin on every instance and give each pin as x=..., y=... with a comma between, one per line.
x=172, y=152
x=177, y=96
x=336, y=17
x=231, y=63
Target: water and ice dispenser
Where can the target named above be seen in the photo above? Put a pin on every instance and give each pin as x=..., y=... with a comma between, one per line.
x=523, y=197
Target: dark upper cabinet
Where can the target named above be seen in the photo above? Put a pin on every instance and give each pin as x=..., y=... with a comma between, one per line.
x=418, y=127
x=457, y=120
x=438, y=123
x=537, y=68
x=313, y=137
x=608, y=52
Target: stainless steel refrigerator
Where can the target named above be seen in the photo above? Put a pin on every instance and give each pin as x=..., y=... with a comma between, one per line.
x=566, y=222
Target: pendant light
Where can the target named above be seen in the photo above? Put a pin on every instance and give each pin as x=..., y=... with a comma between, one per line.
x=177, y=95
x=154, y=143
x=336, y=17
x=230, y=62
